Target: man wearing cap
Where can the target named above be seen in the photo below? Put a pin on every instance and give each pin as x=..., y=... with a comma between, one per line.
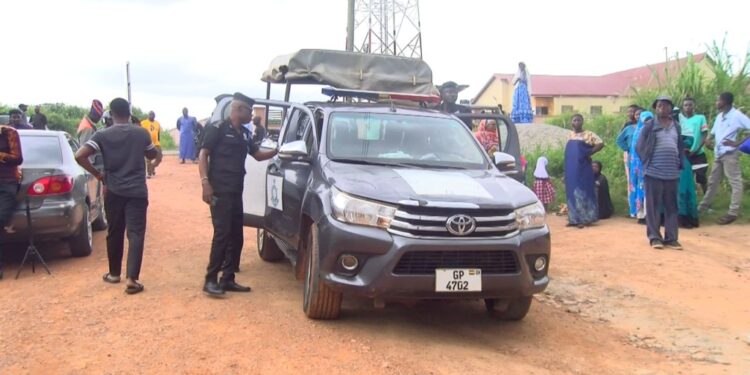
x=449, y=95
x=10, y=175
x=123, y=146
x=87, y=126
x=15, y=119
x=222, y=171
x=660, y=148
x=728, y=125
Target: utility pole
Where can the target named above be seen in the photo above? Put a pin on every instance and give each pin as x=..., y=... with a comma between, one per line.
x=350, y=27
x=127, y=75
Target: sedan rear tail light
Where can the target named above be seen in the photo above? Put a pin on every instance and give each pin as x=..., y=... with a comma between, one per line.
x=51, y=185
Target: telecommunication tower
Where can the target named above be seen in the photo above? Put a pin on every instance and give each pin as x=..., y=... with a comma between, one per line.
x=386, y=27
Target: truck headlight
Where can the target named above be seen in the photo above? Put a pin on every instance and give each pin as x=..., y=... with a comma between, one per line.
x=531, y=216
x=353, y=210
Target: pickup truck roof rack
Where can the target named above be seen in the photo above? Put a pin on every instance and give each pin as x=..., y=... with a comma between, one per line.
x=378, y=96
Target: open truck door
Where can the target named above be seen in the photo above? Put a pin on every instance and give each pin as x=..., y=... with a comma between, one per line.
x=508, y=156
x=266, y=188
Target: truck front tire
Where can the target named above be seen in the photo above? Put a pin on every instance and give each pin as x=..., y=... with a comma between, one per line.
x=320, y=301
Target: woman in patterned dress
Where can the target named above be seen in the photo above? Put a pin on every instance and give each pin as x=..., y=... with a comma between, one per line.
x=522, y=112
x=637, y=198
x=579, y=175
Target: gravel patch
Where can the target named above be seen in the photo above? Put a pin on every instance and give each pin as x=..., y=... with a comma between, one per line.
x=535, y=136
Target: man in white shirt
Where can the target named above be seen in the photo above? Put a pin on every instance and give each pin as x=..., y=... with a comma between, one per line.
x=728, y=125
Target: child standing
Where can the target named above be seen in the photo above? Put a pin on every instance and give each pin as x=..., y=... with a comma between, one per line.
x=542, y=185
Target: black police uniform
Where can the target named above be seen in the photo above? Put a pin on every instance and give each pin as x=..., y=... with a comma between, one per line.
x=228, y=148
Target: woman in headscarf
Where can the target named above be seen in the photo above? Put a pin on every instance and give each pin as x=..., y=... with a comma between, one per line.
x=522, y=112
x=487, y=136
x=579, y=175
x=637, y=198
x=687, y=198
x=603, y=199
x=543, y=187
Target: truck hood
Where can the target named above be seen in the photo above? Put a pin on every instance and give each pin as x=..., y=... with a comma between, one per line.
x=438, y=187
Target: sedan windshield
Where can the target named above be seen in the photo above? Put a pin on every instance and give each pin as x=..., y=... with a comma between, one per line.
x=381, y=138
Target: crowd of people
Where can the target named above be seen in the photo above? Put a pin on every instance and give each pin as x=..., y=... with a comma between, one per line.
x=665, y=163
x=663, y=155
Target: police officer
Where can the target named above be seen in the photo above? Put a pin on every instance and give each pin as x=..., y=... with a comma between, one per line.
x=222, y=170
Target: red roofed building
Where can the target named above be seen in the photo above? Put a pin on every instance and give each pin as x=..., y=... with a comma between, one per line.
x=552, y=95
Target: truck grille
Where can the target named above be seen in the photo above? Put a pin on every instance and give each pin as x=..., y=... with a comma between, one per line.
x=425, y=262
x=433, y=222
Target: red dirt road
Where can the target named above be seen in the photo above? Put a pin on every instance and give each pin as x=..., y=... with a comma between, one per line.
x=614, y=307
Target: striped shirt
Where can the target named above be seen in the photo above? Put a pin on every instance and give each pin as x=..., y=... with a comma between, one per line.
x=665, y=161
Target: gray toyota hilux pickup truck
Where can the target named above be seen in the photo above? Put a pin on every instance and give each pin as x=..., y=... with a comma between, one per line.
x=394, y=201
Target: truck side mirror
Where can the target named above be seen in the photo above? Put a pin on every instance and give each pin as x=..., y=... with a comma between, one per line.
x=506, y=163
x=294, y=151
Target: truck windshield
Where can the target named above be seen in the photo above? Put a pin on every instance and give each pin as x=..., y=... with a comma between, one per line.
x=403, y=139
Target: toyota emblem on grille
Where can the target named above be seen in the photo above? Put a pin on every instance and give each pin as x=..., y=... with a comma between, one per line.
x=461, y=225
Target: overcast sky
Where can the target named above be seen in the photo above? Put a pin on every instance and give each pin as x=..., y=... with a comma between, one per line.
x=184, y=53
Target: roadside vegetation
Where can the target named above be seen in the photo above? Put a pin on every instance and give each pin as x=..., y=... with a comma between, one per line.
x=66, y=117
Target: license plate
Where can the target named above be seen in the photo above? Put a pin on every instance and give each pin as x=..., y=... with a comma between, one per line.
x=458, y=280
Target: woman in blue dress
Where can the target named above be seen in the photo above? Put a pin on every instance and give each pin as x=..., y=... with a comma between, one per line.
x=637, y=195
x=522, y=112
x=579, y=176
x=187, y=126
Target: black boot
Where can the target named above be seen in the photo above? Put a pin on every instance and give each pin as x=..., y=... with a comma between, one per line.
x=231, y=286
x=212, y=288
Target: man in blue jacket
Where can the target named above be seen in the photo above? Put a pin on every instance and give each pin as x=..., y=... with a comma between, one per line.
x=660, y=149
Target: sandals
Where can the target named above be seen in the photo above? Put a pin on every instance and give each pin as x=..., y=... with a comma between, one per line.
x=134, y=289
x=130, y=289
x=108, y=278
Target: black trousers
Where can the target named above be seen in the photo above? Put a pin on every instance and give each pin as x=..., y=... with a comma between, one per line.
x=700, y=174
x=226, y=246
x=661, y=197
x=8, y=202
x=125, y=213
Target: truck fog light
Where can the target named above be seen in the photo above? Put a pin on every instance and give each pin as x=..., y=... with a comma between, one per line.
x=540, y=263
x=349, y=262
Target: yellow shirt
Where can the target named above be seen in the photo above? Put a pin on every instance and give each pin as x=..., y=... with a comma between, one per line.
x=153, y=128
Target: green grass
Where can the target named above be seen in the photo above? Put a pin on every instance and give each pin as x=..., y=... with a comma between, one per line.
x=608, y=127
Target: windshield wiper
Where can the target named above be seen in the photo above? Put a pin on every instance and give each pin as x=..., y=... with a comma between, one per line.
x=385, y=164
x=360, y=161
x=423, y=165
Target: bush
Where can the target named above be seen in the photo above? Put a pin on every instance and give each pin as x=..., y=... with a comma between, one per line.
x=167, y=143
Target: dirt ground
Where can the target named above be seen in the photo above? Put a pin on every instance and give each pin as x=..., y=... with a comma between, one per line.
x=614, y=307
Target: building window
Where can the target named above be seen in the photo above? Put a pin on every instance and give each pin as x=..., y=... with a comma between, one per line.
x=567, y=109
x=596, y=110
x=542, y=111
